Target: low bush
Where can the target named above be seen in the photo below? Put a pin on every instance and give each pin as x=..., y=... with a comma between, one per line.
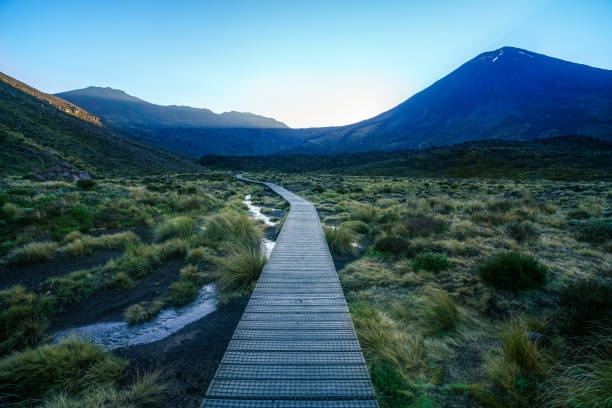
x=240, y=269
x=431, y=262
x=86, y=184
x=71, y=366
x=178, y=227
x=340, y=240
x=514, y=271
x=586, y=306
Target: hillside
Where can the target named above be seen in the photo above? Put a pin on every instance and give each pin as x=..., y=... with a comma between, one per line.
x=568, y=158
x=37, y=134
x=120, y=109
x=508, y=94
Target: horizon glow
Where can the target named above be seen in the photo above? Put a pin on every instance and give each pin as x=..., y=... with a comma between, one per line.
x=314, y=63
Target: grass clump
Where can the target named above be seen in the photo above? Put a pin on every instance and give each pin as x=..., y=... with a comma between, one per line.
x=182, y=293
x=239, y=270
x=87, y=245
x=514, y=271
x=196, y=254
x=86, y=184
x=177, y=227
x=518, y=348
x=522, y=231
x=71, y=366
x=33, y=253
x=9, y=211
x=586, y=306
x=142, y=312
x=596, y=232
x=363, y=212
x=340, y=240
x=358, y=226
x=431, y=262
x=233, y=226
x=190, y=273
x=440, y=312
x=393, y=245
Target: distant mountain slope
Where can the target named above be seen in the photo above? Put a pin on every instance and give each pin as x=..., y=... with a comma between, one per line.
x=120, y=109
x=59, y=103
x=564, y=157
x=34, y=133
x=509, y=94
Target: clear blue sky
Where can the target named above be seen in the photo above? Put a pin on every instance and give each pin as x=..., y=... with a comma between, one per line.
x=307, y=63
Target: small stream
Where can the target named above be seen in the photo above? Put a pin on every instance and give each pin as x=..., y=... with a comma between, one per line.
x=113, y=335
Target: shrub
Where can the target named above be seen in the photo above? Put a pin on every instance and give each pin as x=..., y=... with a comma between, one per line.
x=231, y=225
x=182, y=293
x=73, y=365
x=340, y=240
x=181, y=227
x=33, y=253
x=586, y=306
x=440, y=312
x=241, y=269
x=522, y=231
x=431, y=262
x=394, y=245
x=514, y=271
x=86, y=184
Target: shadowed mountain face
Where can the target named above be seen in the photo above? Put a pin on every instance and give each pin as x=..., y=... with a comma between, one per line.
x=39, y=130
x=120, y=109
x=509, y=94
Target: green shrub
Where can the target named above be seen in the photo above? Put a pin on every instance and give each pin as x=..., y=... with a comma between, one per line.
x=71, y=366
x=521, y=231
x=240, y=269
x=431, y=262
x=586, y=306
x=86, y=184
x=394, y=245
x=340, y=240
x=182, y=293
x=514, y=271
x=33, y=253
x=178, y=227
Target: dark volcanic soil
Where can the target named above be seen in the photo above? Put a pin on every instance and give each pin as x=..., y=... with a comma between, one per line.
x=189, y=358
x=109, y=305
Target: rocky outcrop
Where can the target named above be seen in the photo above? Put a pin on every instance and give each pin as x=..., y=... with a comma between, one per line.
x=60, y=171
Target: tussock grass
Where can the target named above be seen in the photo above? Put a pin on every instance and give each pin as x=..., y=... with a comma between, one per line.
x=340, y=240
x=87, y=245
x=368, y=272
x=192, y=274
x=586, y=306
x=177, y=227
x=121, y=280
x=518, y=348
x=363, y=212
x=182, y=293
x=234, y=226
x=440, y=311
x=514, y=271
x=9, y=211
x=196, y=254
x=355, y=225
x=239, y=270
x=71, y=366
x=142, y=312
x=33, y=253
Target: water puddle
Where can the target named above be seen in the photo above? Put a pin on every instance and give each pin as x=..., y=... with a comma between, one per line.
x=256, y=213
x=112, y=335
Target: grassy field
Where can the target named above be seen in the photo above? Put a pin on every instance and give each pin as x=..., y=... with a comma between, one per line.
x=468, y=292
x=464, y=292
x=154, y=240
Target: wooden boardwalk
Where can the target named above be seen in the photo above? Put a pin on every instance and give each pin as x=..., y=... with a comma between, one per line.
x=295, y=345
